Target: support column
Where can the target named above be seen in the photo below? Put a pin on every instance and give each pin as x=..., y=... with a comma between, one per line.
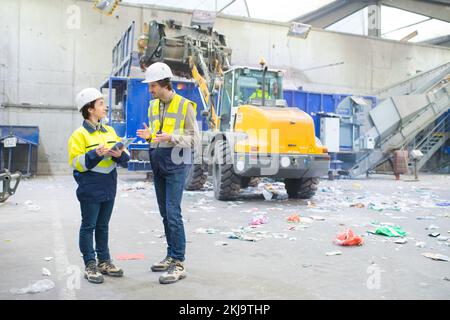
x=374, y=20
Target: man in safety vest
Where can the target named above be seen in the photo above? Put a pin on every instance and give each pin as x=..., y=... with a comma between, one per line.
x=172, y=127
x=258, y=93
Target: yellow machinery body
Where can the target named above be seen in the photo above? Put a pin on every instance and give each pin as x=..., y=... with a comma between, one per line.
x=276, y=130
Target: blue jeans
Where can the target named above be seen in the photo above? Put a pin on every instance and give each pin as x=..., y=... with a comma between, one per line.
x=169, y=192
x=95, y=217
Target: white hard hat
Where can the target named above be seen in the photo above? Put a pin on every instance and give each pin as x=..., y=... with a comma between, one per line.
x=87, y=95
x=157, y=71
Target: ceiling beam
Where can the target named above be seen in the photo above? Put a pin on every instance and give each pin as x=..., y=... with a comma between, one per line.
x=332, y=12
x=434, y=9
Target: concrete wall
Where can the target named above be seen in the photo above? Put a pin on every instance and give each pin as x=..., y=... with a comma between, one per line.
x=51, y=49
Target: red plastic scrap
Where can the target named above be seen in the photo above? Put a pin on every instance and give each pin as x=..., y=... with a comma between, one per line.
x=348, y=238
x=294, y=218
x=132, y=256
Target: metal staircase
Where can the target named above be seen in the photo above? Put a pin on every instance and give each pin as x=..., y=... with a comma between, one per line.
x=432, y=141
x=398, y=120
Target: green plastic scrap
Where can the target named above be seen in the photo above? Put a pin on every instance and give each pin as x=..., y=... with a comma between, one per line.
x=373, y=206
x=390, y=231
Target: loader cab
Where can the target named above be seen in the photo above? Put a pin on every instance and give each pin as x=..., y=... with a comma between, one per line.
x=244, y=86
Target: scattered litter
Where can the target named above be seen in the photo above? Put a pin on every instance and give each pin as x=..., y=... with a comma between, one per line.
x=357, y=186
x=348, y=238
x=31, y=206
x=292, y=239
x=420, y=244
x=401, y=241
x=206, y=231
x=318, y=218
x=294, y=218
x=389, y=231
x=434, y=234
x=443, y=204
x=37, y=287
x=357, y=205
x=131, y=256
x=246, y=237
x=279, y=235
x=267, y=194
x=373, y=206
x=426, y=218
x=306, y=220
x=318, y=210
x=259, y=220
x=333, y=253
x=46, y=272
x=274, y=191
x=442, y=238
x=311, y=204
x=432, y=227
x=436, y=256
x=136, y=186
x=446, y=278
x=48, y=258
x=221, y=243
x=307, y=265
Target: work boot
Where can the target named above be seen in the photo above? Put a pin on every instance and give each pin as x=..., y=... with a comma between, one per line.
x=162, y=265
x=176, y=272
x=106, y=267
x=92, y=274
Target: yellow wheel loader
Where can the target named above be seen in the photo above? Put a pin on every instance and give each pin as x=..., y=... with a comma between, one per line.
x=252, y=131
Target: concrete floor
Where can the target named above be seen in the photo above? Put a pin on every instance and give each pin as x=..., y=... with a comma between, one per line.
x=42, y=220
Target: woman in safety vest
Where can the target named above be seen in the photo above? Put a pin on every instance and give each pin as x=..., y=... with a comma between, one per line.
x=94, y=152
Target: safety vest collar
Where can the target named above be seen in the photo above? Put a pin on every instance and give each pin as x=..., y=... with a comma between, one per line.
x=91, y=129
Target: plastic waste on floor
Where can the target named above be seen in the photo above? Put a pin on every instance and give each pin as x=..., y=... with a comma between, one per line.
x=443, y=204
x=220, y=243
x=434, y=234
x=420, y=244
x=348, y=238
x=436, y=256
x=259, y=220
x=206, y=231
x=131, y=256
x=37, y=287
x=334, y=253
x=46, y=272
x=295, y=218
x=401, y=241
x=389, y=231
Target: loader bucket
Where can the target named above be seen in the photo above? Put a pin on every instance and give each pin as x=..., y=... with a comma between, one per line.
x=8, y=182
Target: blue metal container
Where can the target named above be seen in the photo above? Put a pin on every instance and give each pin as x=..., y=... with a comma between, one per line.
x=314, y=102
x=22, y=157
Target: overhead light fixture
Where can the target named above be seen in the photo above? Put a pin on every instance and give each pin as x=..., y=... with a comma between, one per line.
x=106, y=6
x=299, y=30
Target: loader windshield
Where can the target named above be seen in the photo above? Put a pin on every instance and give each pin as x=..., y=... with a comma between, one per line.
x=249, y=86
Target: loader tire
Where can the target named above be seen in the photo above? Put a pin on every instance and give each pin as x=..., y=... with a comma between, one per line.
x=249, y=182
x=301, y=188
x=195, y=178
x=227, y=184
